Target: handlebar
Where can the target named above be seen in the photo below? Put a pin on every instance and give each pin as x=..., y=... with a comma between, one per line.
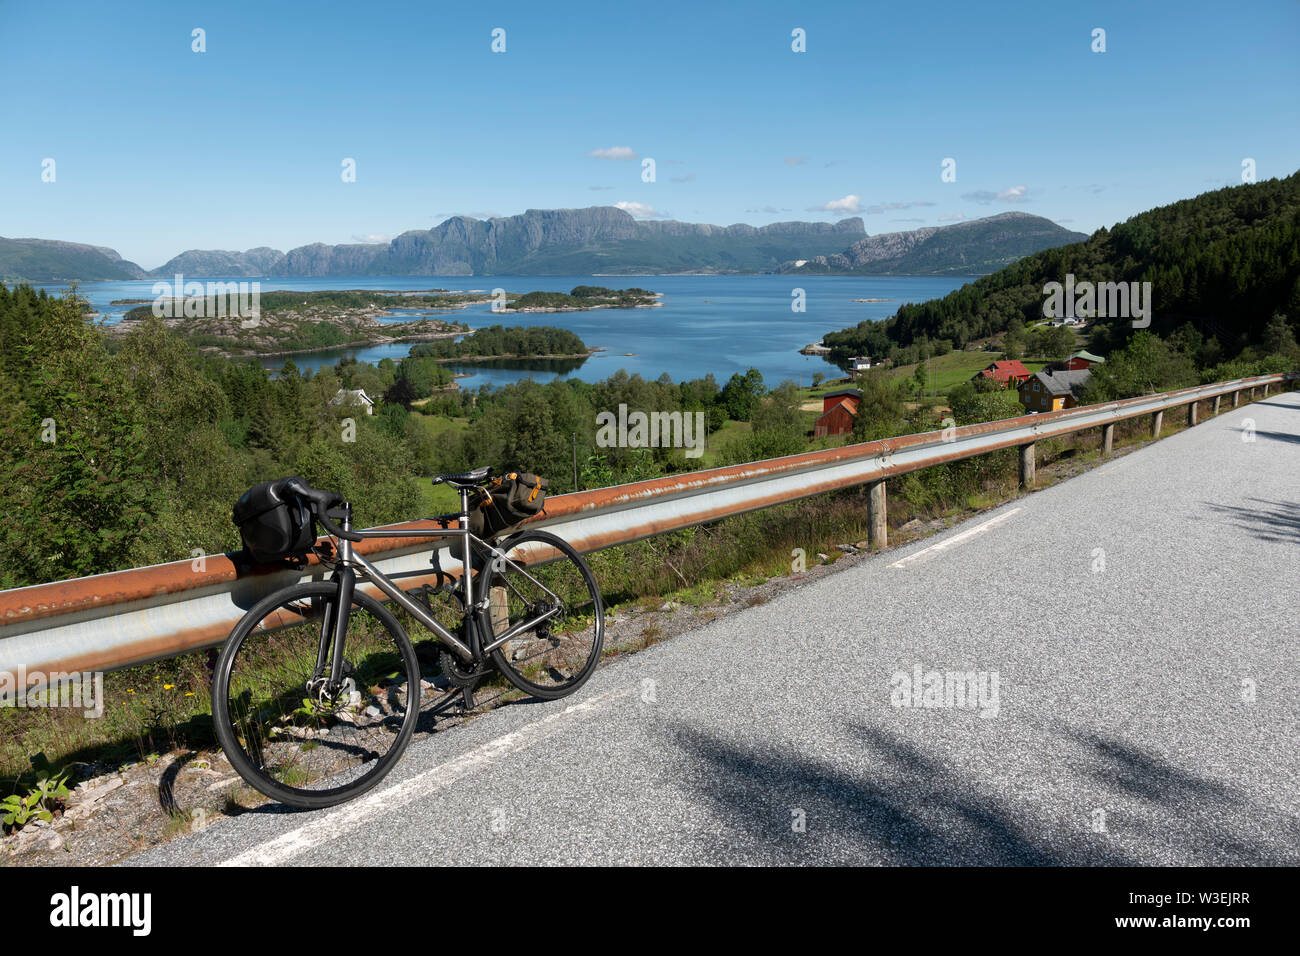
x=322, y=501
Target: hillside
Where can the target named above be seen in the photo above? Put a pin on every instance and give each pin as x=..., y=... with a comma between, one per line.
x=967, y=248
x=1224, y=261
x=50, y=260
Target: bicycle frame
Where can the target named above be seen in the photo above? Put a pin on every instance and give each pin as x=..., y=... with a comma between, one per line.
x=350, y=563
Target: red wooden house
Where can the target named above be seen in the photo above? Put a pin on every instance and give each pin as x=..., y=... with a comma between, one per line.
x=1081, y=360
x=1004, y=372
x=838, y=411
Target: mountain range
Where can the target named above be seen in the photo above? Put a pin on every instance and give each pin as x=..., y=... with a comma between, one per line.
x=966, y=248
x=592, y=241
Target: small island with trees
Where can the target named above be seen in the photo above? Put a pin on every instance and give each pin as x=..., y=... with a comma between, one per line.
x=294, y=323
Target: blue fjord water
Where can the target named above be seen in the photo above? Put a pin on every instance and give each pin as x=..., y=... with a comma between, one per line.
x=718, y=324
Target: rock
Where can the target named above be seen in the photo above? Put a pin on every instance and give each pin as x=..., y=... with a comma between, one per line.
x=847, y=548
x=79, y=812
x=823, y=557
x=373, y=711
x=670, y=606
x=912, y=525
x=92, y=790
x=862, y=545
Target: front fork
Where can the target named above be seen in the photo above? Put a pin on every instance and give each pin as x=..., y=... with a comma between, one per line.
x=334, y=622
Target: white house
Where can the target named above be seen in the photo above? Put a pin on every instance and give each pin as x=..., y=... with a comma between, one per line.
x=859, y=363
x=354, y=396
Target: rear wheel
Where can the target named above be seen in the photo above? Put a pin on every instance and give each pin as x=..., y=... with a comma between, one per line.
x=536, y=574
x=291, y=733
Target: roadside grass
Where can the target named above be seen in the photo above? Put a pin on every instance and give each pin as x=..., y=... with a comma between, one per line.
x=164, y=707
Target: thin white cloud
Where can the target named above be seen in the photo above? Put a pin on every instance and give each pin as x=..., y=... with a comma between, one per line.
x=641, y=210
x=847, y=204
x=614, y=152
x=1012, y=194
x=894, y=207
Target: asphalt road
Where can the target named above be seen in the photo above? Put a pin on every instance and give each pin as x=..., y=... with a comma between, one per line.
x=1140, y=622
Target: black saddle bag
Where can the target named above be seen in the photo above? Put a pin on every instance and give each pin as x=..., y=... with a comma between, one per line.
x=508, y=501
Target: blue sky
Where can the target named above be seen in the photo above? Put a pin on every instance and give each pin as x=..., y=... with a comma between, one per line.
x=158, y=149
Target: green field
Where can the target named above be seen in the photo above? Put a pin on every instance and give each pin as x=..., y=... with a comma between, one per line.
x=957, y=367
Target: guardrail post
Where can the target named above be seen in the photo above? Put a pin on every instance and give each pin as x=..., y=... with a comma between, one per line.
x=1191, y=414
x=1236, y=398
x=1157, y=420
x=1107, y=438
x=1217, y=399
x=1027, y=466
x=877, y=529
x=500, y=609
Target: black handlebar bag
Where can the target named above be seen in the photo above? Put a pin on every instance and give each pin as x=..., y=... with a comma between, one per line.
x=274, y=523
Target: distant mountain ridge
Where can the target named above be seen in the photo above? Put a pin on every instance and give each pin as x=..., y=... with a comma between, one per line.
x=964, y=248
x=537, y=242
x=52, y=260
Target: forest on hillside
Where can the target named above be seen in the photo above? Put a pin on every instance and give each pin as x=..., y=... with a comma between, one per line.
x=1225, y=263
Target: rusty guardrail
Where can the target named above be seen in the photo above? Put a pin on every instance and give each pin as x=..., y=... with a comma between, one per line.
x=122, y=618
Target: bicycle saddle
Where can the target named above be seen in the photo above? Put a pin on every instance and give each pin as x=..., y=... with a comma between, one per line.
x=465, y=478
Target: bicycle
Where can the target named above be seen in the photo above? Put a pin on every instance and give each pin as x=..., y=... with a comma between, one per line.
x=316, y=692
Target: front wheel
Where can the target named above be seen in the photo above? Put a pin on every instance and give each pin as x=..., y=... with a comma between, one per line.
x=288, y=729
x=541, y=588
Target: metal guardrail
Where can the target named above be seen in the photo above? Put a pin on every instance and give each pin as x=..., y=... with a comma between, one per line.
x=114, y=620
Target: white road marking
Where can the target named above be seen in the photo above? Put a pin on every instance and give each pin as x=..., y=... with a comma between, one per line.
x=352, y=815
x=957, y=538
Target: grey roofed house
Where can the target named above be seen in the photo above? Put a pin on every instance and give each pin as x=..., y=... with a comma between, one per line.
x=1058, y=382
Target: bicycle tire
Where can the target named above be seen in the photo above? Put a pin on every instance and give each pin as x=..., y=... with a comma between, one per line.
x=510, y=668
x=224, y=726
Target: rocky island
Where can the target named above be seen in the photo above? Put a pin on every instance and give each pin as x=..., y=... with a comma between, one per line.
x=293, y=323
